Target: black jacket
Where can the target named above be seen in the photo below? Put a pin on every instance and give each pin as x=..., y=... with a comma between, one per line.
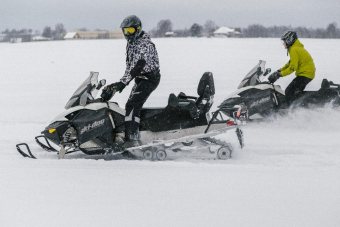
x=141, y=59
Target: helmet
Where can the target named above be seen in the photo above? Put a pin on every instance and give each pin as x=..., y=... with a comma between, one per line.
x=289, y=37
x=131, y=27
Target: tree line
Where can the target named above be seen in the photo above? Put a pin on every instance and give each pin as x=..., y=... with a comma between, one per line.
x=252, y=31
x=27, y=34
x=195, y=30
x=257, y=30
x=49, y=33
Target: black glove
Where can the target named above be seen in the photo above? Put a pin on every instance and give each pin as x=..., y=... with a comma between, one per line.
x=274, y=76
x=107, y=92
x=119, y=86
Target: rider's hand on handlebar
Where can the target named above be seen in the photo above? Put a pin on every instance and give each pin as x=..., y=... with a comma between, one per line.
x=119, y=86
x=109, y=90
x=274, y=76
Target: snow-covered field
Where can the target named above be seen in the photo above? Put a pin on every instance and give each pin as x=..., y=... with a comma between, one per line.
x=288, y=174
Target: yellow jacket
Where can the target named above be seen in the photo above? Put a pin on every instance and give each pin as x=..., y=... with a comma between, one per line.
x=300, y=61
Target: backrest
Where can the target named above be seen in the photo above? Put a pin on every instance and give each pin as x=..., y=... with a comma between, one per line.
x=325, y=84
x=206, y=80
x=173, y=100
x=206, y=91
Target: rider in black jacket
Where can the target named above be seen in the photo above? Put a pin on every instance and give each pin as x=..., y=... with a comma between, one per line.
x=142, y=65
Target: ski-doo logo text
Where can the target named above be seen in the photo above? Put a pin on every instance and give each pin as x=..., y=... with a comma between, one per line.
x=93, y=126
x=258, y=102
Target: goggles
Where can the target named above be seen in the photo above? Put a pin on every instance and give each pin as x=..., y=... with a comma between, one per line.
x=130, y=30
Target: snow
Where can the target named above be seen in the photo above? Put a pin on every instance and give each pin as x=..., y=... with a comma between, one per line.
x=287, y=174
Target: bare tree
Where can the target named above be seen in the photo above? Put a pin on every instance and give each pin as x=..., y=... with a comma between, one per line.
x=209, y=27
x=255, y=30
x=47, y=32
x=332, y=31
x=196, y=30
x=59, y=32
x=163, y=27
x=182, y=32
x=37, y=32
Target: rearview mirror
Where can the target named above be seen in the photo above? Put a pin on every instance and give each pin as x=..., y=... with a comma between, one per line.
x=268, y=70
x=101, y=84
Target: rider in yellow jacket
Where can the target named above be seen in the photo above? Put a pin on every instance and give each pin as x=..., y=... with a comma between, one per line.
x=301, y=62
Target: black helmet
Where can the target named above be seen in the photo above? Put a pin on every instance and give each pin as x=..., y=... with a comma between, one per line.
x=131, y=27
x=289, y=37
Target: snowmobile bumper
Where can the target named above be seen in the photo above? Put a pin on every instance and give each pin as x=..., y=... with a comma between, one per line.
x=46, y=147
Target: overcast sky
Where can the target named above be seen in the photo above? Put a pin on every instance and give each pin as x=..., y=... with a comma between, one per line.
x=108, y=14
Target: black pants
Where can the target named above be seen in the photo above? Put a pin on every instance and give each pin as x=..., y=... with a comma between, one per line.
x=139, y=94
x=295, y=88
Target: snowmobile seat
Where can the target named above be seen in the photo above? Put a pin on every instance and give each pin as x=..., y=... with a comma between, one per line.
x=325, y=84
x=151, y=112
x=200, y=104
x=189, y=106
x=205, y=89
x=185, y=105
x=173, y=100
x=325, y=92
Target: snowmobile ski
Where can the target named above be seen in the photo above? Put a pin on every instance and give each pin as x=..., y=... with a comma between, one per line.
x=29, y=155
x=46, y=147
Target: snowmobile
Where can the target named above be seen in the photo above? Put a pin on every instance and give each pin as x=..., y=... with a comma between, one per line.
x=257, y=99
x=96, y=126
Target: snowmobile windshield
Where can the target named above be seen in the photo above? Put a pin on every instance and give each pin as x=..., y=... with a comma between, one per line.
x=253, y=77
x=87, y=90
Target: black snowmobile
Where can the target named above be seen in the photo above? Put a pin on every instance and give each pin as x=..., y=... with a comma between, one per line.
x=95, y=126
x=256, y=99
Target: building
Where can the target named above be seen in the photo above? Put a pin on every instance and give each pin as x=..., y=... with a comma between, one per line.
x=16, y=37
x=15, y=40
x=2, y=37
x=117, y=34
x=170, y=34
x=71, y=36
x=225, y=32
x=40, y=38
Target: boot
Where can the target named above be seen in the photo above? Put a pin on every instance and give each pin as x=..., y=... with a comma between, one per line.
x=131, y=134
x=131, y=143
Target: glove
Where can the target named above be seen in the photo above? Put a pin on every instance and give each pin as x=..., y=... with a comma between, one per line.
x=119, y=86
x=107, y=93
x=109, y=90
x=274, y=76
